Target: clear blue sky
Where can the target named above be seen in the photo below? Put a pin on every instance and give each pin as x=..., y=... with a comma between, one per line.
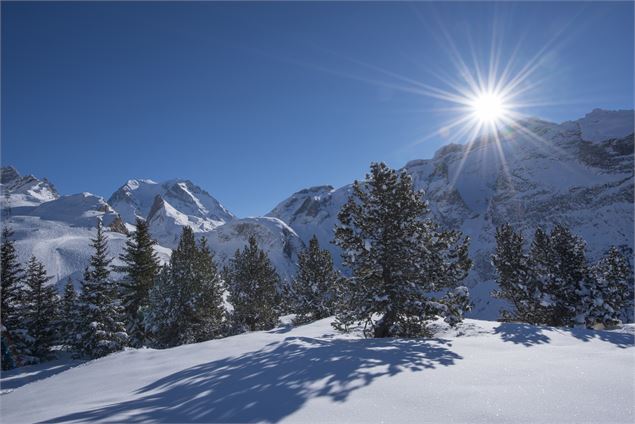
x=256, y=101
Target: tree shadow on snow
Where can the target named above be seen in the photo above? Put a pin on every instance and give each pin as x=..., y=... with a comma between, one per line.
x=18, y=377
x=621, y=340
x=531, y=335
x=272, y=383
x=524, y=334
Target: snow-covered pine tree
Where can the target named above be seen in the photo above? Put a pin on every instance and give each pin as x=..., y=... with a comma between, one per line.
x=101, y=329
x=140, y=268
x=398, y=258
x=312, y=292
x=185, y=304
x=515, y=282
x=570, y=270
x=11, y=274
x=15, y=338
x=607, y=291
x=541, y=262
x=252, y=283
x=68, y=315
x=40, y=310
x=206, y=312
x=161, y=316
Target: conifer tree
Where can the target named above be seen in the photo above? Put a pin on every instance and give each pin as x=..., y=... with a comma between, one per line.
x=312, y=292
x=40, y=310
x=608, y=291
x=398, y=258
x=252, y=283
x=516, y=282
x=140, y=269
x=162, y=316
x=185, y=304
x=101, y=329
x=15, y=338
x=570, y=270
x=68, y=315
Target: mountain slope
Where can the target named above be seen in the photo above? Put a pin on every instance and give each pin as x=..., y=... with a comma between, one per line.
x=24, y=191
x=577, y=173
x=480, y=372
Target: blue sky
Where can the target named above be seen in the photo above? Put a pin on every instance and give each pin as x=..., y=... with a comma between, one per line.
x=256, y=101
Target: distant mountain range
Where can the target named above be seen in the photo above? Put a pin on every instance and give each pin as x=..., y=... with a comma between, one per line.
x=538, y=173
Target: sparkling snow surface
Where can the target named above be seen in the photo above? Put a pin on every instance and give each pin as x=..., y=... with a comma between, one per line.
x=481, y=372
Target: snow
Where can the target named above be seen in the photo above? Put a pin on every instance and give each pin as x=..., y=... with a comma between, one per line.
x=81, y=210
x=136, y=198
x=479, y=372
x=601, y=124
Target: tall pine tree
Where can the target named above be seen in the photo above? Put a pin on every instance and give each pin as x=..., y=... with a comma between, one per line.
x=312, y=292
x=185, y=304
x=68, y=315
x=100, y=329
x=516, y=281
x=252, y=282
x=14, y=335
x=140, y=268
x=40, y=310
x=398, y=258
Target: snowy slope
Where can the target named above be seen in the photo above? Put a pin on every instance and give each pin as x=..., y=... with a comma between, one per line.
x=57, y=230
x=481, y=372
x=578, y=173
x=276, y=238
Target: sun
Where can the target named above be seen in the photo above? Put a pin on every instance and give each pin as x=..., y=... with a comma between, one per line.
x=488, y=108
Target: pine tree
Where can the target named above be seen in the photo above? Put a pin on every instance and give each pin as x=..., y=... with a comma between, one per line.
x=40, y=310
x=252, y=283
x=185, y=304
x=140, y=269
x=397, y=258
x=607, y=291
x=162, y=316
x=206, y=312
x=101, y=329
x=68, y=315
x=312, y=291
x=541, y=263
x=569, y=274
x=516, y=282
x=15, y=338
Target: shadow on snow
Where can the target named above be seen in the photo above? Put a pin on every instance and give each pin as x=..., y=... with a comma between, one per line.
x=272, y=383
x=18, y=377
x=532, y=335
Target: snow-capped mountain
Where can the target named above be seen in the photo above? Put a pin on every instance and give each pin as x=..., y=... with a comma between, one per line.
x=538, y=173
x=136, y=198
x=277, y=239
x=24, y=191
x=169, y=206
x=579, y=173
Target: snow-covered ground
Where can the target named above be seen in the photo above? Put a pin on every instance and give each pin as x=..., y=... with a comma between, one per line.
x=481, y=372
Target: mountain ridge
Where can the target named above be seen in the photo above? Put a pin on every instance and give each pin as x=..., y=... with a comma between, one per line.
x=578, y=172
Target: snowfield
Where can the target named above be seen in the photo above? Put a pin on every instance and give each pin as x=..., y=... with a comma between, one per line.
x=482, y=371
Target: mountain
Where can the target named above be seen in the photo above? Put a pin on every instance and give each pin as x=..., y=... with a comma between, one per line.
x=277, y=239
x=24, y=191
x=537, y=173
x=579, y=173
x=171, y=205
x=58, y=229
